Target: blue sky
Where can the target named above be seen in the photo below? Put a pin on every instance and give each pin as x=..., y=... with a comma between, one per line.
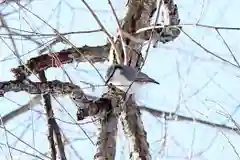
x=191, y=78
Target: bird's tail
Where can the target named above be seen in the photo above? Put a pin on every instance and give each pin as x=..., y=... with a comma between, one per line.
x=152, y=81
x=146, y=80
x=142, y=77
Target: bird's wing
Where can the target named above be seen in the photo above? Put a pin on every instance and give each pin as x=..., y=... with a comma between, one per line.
x=129, y=72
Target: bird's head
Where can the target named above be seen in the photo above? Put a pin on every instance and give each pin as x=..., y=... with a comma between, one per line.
x=131, y=74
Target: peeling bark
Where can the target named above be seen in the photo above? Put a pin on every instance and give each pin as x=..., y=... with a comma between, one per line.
x=106, y=137
x=138, y=16
x=134, y=130
x=139, y=13
x=70, y=55
x=107, y=125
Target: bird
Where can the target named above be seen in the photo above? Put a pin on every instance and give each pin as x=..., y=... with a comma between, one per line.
x=122, y=76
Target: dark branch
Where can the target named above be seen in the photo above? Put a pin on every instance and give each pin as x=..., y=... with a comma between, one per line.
x=177, y=117
x=45, y=61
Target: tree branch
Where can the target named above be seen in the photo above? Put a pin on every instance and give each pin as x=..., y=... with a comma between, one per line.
x=106, y=137
x=45, y=61
x=139, y=14
x=35, y=100
x=176, y=117
x=170, y=18
x=53, y=127
x=133, y=128
x=55, y=87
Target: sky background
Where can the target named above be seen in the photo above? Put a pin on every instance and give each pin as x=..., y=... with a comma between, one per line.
x=191, y=79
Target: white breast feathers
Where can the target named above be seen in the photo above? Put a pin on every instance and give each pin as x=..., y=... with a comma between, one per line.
x=123, y=84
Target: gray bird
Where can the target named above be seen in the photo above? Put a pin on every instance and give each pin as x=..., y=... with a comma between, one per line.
x=122, y=77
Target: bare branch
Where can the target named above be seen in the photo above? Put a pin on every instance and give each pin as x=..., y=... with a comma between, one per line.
x=35, y=34
x=24, y=152
x=210, y=52
x=91, y=110
x=176, y=117
x=58, y=139
x=55, y=87
x=235, y=59
x=43, y=62
x=51, y=123
x=35, y=100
